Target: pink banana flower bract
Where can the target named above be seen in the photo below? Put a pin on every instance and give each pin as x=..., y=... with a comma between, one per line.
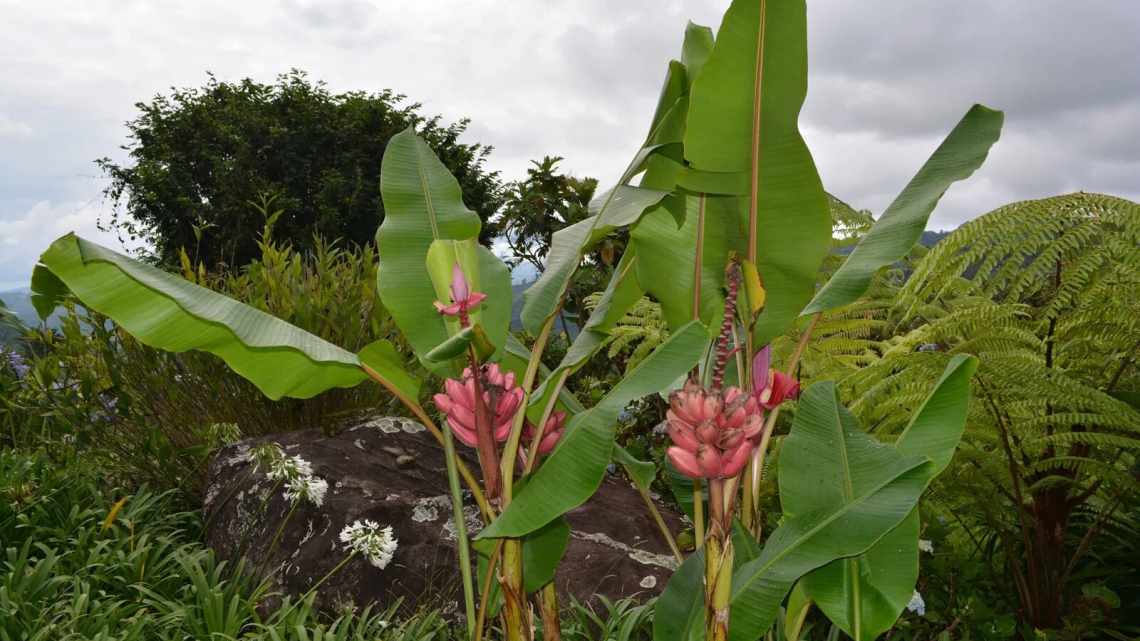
x=713, y=431
x=501, y=394
x=463, y=300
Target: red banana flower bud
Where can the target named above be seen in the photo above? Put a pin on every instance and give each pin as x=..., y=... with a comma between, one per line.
x=768, y=385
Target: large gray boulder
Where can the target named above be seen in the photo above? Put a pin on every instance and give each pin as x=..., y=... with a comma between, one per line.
x=390, y=470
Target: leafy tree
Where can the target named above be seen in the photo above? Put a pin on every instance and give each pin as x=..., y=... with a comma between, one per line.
x=200, y=156
x=546, y=201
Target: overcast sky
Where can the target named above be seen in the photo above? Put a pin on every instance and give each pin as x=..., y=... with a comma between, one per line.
x=578, y=78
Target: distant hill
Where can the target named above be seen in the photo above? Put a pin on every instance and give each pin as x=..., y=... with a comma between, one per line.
x=19, y=302
x=931, y=238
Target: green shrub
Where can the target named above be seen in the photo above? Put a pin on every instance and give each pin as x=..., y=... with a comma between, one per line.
x=152, y=416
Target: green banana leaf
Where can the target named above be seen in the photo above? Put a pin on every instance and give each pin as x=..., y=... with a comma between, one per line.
x=422, y=204
x=864, y=595
x=576, y=467
x=169, y=313
x=735, y=127
x=901, y=225
x=618, y=207
x=667, y=256
x=622, y=205
x=886, y=489
x=680, y=612
x=383, y=358
x=622, y=292
x=542, y=552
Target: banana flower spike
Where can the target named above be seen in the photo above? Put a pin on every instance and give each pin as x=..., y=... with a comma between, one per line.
x=463, y=300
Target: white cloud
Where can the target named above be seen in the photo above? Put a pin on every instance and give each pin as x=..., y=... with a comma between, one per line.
x=579, y=78
x=13, y=128
x=23, y=237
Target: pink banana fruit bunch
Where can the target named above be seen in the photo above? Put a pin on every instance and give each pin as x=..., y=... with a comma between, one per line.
x=551, y=433
x=503, y=397
x=714, y=432
x=501, y=394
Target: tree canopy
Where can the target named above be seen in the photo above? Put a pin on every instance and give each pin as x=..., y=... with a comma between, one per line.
x=199, y=157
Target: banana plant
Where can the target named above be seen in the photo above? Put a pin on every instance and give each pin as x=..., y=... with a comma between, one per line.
x=451, y=298
x=728, y=225
x=736, y=243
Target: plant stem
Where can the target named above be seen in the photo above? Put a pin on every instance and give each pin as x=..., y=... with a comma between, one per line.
x=277, y=536
x=510, y=452
x=661, y=525
x=514, y=595
x=698, y=263
x=551, y=402
x=485, y=594
x=548, y=605
x=337, y=568
x=718, y=581
x=757, y=464
x=462, y=544
x=698, y=514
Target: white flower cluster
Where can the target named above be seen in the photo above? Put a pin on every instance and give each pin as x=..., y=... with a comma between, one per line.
x=306, y=488
x=926, y=545
x=916, y=604
x=371, y=541
x=295, y=472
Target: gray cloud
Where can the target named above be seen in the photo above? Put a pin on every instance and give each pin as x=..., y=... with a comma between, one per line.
x=579, y=79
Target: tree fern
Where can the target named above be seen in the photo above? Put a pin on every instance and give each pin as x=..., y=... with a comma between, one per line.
x=1045, y=293
x=638, y=333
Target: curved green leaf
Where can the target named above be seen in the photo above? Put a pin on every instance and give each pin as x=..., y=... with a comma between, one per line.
x=618, y=207
x=623, y=204
x=841, y=493
x=48, y=292
x=542, y=552
x=679, y=616
x=901, y=225
x=173, y=314
x=640, y=472
x=383, y=358
x=796, y=613
x=664, y=249
x=864, y=595
x=622, y=292
x=576, y=467
x=422, y=204
x=765, y=43
x=936, y=427
x=456, y=346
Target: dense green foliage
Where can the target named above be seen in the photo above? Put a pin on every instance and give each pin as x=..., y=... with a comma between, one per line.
x=199, y=156
x=1044, y=293
x=1032, y=525
x=93, y=382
